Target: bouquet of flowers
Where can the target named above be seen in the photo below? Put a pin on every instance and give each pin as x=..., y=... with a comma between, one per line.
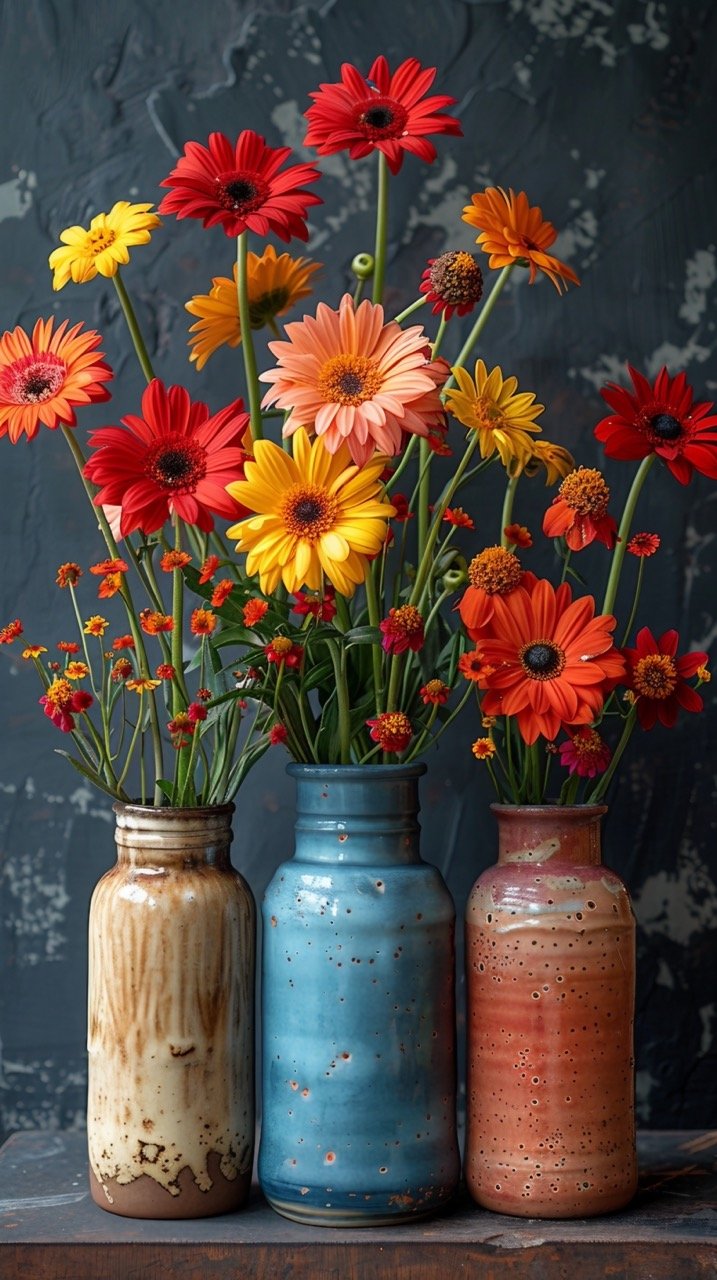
x=333, y=613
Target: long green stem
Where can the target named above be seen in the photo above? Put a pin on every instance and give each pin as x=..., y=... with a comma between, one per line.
x=507, y=512
x=426, y=562
x=132, y=325
x=618, y=554
x=247, y=341
x=424, y=495
x=481, y=322
x=408, y=454
x=408, y=311
x=439, y=336
x=338, y=661
x=379, y=272
x=599, y=791
x=374, y=617
x=129, y=606
x=635, y=602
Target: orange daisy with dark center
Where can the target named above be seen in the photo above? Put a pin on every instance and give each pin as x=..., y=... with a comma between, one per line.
x=34, y=381
x=175, y=458
x=45, y=374
x=552, y=660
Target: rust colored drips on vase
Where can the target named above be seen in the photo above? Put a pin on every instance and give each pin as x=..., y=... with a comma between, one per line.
x=550, y=954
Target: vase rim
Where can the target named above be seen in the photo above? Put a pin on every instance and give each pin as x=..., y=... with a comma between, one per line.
x=564, y=810
x=172, y=811
x=415, y=769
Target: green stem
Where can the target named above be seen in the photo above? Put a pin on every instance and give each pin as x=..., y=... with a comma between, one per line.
x=426, y=562
x=481, y=322
x=507, y=513
x=633, y=611
x=599, y=791
x=338, y=662
x=618, y=554
x=408, y=311
x=566, y=563
x=134, y=329
x=381, y=229
x=182, y=762
x=374, y=617
x=424, y=495
x=247, y=342
x=408, y=454
x=439, y=336
x=132, y=745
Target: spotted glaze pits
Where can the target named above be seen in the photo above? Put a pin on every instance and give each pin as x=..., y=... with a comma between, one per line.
x=170, y=1113
x=550, y=955
x=359, y=1100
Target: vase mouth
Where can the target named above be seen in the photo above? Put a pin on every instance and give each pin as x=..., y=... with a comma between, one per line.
x=357, y=772
x=178, y=812
x=570, y=812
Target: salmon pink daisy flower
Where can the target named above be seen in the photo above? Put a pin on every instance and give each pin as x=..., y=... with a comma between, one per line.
x=585, y=753
x=43, y=376
x=384, y=112
x=552, y=658
x=579, y=512
x=351, y=378
x=175, y=459
x=239, y=187
x=658, y=678
x=661, y=418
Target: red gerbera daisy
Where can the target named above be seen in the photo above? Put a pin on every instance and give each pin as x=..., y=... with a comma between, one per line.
x=658, y=678
x=453, y=282
x=553, y=660
x=175, y=458
x=579, y=512
x=660, y=418
x=643, y=544
x=240, y=187
x=384, y=112
x=43, y=376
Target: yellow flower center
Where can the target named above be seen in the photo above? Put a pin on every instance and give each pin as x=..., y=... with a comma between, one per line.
x=588, y=743
x=655, y=676
x=586, y=492
x=308, y=511
x=59, y=693
x=488, y=414
x=435, y=688
x=100, y=239
x=282, y=644
x=406, y=620
x=495, y=570
x=456, y=277
x=349, y=379
x=542, y=660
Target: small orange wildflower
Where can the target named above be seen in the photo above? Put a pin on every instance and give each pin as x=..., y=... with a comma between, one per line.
x=472, y=666
x=76, y=671
x=172, y=560
x=221, y=592
x=68, y=646
x=122, y=642
x=434, y=692
x=458, y=517
x=513, y=231
x=68, y=574
x=202, y=622
x=121, y=670
x=152, y=621
x=109, y=566
x=253, y=611
x=96, y=625
x=208, y=569
x=33, y=651
x=142, y=684
x=11, y=632
x=483, y=748
x=518, y=535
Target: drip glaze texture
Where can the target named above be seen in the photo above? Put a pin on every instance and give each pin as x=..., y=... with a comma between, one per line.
x=171, y=1026
x=358, y=1008
x=550, y=956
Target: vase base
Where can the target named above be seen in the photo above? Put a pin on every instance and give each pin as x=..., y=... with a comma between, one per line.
x=595, y=1207
x=145, y=1198
x=341, y=1216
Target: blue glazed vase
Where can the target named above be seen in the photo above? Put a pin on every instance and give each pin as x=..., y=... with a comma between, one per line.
x=359, y=1074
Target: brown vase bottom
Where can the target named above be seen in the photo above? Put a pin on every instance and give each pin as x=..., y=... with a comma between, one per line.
x=145, y=1198
x=532, y=1208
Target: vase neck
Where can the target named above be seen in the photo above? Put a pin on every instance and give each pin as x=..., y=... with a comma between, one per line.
x=549, y=833
x=159, y=837
x=362, y=815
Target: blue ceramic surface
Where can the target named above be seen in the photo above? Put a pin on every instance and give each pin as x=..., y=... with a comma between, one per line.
x=358, y=1007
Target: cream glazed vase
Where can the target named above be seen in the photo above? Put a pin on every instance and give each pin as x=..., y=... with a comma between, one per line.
x=170, y=1113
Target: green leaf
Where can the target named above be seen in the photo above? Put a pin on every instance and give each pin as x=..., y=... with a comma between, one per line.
x=91, y=776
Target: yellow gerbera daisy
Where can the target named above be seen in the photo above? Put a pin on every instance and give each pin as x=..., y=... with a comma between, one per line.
x=318, y=516
x=488, y=404
x=275, y=284
x=105, y=247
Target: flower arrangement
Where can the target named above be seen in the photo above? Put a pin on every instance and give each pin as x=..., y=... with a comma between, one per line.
x=332, y=614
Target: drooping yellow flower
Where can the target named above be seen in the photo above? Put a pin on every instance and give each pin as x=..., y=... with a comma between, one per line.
x=104, y=248
x=558, y=462
x=491, y=405
x=318, y=516
x=275, y=284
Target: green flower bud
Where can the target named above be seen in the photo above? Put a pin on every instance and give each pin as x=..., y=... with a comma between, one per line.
x=363, y=266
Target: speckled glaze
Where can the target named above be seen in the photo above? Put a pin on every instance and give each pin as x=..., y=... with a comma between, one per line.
x=550, y=956
x=358, y=1018
x=170, y=1114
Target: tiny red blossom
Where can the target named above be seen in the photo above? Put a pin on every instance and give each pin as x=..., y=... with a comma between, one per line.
x=202, y=622
x=435, y=692
x=68, y=646
x=392, y=730
x=109, y=566
x=172, y=560
x=312, y=602
x=11, y=632
x=253, y=611
x=585, y=753
x=196, y=712
x=403, y=629
x=68, y=574
x=121, y=670
x=282, y=649
x=277, y=734
x=402, y=510
x=165, y=671
x=458, y=517
x=518, y=535
x=122, y=642
x=221, y=592
x=643, y=544
x=208, y=569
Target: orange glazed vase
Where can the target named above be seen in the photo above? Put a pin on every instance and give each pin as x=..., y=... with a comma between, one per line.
x=550, y=956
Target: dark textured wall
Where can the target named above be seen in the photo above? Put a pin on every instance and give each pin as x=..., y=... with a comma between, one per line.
x=602, y=111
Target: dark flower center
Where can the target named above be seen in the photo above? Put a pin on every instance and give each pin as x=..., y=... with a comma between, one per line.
x=351, y=384
x=36, y=378
x=270, y=304
x=542, y=660
x=666, y=426
x=36, y=386
x=241, y=192
x=307, y=510
x=176, y=467
x=382, y=118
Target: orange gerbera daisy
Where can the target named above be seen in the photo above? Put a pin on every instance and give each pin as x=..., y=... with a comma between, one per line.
x=349, y=377
x=274, y=283
x=553, y=660
x=43, y=376
x=514, y=231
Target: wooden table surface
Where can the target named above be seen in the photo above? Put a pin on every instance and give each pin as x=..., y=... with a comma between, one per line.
x=51, y=1230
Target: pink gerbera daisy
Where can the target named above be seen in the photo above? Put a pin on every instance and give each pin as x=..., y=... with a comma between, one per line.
x=349, y=377
x=175, y=458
